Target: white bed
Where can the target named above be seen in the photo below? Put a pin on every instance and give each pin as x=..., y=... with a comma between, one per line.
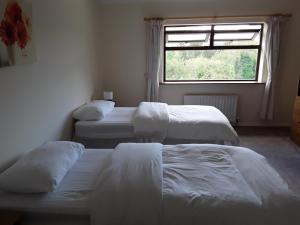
x=186, y=124
x=69, y=204
x=191, y=184
x=185, y=184
x=117, y=124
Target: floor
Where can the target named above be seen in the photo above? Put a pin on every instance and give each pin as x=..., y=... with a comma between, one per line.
x=275, y=144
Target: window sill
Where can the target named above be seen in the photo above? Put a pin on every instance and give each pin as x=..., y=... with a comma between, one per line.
x=212, y=82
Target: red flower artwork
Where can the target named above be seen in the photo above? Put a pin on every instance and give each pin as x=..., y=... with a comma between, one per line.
x=13, y=13
x=13, y=28
x=22, y=35
x=8, y=33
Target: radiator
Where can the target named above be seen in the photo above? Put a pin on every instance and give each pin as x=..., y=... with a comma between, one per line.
x=227, y=104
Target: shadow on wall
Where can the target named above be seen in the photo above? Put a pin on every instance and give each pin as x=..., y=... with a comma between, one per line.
x=68, y=128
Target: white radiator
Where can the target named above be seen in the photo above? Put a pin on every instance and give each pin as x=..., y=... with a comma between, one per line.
x=227, y=104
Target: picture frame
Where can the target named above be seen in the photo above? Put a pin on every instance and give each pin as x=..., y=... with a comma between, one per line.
x=16, y=41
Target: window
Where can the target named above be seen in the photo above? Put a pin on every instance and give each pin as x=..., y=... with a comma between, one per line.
x=217, y=52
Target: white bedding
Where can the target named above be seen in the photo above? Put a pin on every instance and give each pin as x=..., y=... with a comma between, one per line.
x=151, y=121
x=117, y=124
x=185, y=184
x=42, y=168
x=71, y=196
x=215, y=185
x=201, y=184
x=198, y=124
x=129, y=189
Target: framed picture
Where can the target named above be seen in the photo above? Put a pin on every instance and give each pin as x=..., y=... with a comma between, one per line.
x=16, y=42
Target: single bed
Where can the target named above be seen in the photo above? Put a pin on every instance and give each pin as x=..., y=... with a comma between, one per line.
x=183, y=124
x=69, y=203
x=116, y=124
x=154, y=184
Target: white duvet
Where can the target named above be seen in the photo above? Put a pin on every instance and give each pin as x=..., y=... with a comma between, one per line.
x=191, y=184
x=199, y=122
x=157, y=121
x=129, y=191
x=151, y=121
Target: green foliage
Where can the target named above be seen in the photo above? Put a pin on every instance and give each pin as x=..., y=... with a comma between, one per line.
x=211, y=65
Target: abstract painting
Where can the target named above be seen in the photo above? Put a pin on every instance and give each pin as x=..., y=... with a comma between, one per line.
x=16, y=43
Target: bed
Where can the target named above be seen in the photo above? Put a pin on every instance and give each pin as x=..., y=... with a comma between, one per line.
x=157, y=122
x=116, y=124
x=148, y=183
x=69, y=203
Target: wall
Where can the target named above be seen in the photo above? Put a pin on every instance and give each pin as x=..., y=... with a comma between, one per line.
x=36, y=99
x=124, y=54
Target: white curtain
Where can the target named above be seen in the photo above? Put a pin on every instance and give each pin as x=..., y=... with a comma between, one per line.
x=272, y=60
x=153, y=57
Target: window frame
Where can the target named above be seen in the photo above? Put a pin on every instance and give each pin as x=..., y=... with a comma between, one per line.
x=212, y=47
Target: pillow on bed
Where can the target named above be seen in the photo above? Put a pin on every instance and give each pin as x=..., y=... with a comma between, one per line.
x=95, y=110
x=42, y=169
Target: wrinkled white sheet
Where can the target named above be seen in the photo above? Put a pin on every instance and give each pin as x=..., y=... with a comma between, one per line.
x=200, y=184
x=129, y=189
x=214, y=185
x=199, y=122
x=151, y=121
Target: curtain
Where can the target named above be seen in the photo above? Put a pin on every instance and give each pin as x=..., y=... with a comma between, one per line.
x=153, y=57
x=272, y=60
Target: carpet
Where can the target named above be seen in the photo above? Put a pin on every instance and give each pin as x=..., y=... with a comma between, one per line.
x=281, y=153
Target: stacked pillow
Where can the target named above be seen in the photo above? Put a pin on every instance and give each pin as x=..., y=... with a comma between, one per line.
x=42, y=169
x=93, y=111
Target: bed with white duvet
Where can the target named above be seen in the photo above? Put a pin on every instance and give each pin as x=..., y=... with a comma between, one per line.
x=159, y=122
x=149, y=183
x=191, y=184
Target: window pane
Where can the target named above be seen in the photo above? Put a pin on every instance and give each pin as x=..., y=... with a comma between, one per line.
x=188, y=44
x=189, y=28
x=234, y=36
x=211, y=64
x=187, y=40
x=238, y=27
x=186, y=37
x=237, y=39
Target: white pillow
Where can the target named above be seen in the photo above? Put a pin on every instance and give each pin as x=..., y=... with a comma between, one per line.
x=42, y=169
x=95, y=110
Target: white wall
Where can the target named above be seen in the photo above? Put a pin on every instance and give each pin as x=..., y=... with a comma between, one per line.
x=124, y=54
x=36, y=99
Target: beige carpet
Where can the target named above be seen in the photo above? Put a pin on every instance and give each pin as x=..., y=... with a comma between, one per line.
x=281, y=153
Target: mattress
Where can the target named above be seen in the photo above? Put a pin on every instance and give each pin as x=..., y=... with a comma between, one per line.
x=118, y=123
x=70, y=197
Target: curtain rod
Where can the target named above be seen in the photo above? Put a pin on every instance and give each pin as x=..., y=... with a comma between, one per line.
x=218, y=17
